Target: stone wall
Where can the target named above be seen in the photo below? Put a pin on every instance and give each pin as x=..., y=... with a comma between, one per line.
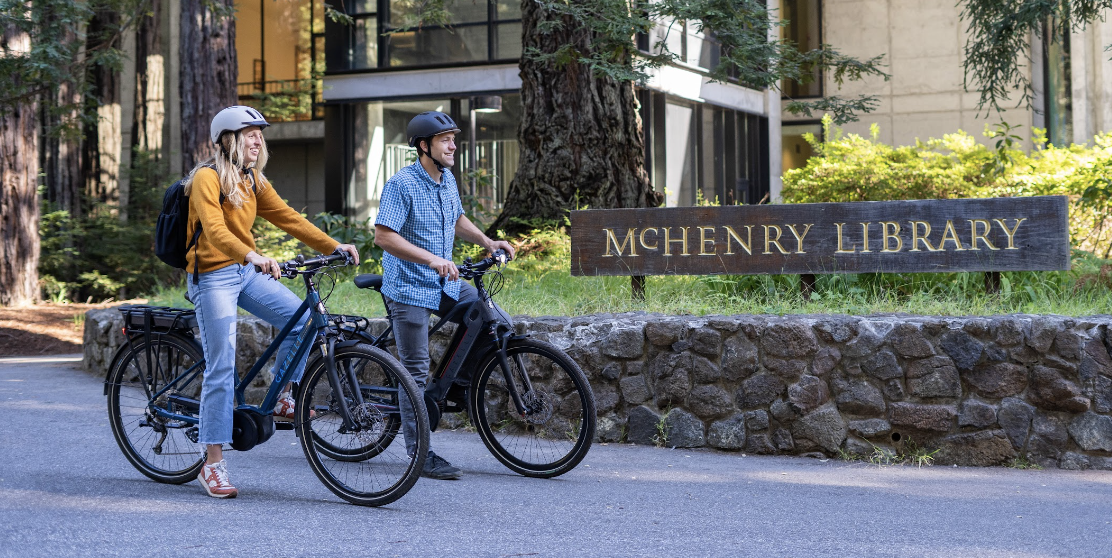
x=981, y=390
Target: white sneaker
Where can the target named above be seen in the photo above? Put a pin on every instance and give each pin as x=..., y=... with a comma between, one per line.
x=215, y=480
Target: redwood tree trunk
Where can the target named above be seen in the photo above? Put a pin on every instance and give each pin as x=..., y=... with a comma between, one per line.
x=62, y=153
x=150, y=111
x=19, y=205
x=580, y=135
x=208, y=74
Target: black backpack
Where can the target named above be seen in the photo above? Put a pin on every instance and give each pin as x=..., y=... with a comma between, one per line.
x=170, y=241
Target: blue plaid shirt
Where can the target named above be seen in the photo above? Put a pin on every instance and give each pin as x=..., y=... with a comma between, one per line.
x=424, y=213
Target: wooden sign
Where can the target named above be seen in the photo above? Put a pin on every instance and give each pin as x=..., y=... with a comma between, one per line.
x=1000, y=234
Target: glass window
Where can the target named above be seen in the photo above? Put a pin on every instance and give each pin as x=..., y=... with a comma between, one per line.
x=681, y=174
x=507, y=44
x=381, y=148
x=804, y=28
x=508, y=9
x=365, y=44
x=438, y=46
x=496, y=151
x=796, y=149
x=363, y=6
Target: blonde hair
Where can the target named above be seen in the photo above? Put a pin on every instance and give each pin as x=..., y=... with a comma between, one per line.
x=229, y=162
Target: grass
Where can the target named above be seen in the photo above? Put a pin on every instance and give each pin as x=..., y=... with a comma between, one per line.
x=540, y=284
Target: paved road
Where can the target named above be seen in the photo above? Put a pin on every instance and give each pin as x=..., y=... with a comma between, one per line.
x=66, y=490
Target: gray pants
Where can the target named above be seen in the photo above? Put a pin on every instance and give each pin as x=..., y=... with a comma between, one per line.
x=411, y=333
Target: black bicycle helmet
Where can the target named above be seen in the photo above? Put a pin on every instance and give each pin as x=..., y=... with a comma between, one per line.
x=425, y=126
x=429, y=124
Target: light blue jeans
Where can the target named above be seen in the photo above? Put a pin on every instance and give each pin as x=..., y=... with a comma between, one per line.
x=215, y=297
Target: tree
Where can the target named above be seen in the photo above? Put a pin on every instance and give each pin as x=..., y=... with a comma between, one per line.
x=19, y=205
x=581, y=139
x=208, y=73
x=998, y=41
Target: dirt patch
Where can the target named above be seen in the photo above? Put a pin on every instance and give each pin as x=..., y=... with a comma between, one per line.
x=43, y=329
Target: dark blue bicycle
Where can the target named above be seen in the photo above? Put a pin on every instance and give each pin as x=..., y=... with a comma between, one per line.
x=347, y=402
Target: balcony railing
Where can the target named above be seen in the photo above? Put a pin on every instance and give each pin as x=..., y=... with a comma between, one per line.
x=288, y=100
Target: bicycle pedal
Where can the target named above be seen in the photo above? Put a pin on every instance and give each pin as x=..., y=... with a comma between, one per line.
x=283, y=425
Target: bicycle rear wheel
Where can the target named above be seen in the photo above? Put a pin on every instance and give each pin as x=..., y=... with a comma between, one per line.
x=164, y=449
x=555, y=434
x=361, y=465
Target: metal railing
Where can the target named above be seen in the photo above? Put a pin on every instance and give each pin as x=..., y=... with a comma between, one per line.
x=289, y=100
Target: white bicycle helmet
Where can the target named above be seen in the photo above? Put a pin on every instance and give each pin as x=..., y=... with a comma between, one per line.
x=234, y=119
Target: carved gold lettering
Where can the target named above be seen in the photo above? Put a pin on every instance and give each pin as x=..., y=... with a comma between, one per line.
x=612, y=239
x=703, y=240
x=840, y=249
x=950, y=234
x=731, y=234
x=776, y=241
x=980, y=236
x=865, y=235
x=1010, y=233
x=890, y=230
x=916, y=239
x=668, y=242
x=644, y=244
x=799, y=238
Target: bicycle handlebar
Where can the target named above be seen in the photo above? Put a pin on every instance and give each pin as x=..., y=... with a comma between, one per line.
x=290, y=269
x=469, y=270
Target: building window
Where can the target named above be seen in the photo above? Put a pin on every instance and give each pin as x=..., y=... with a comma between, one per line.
x=696, y=152
x=683, y=39
x=382, y=148
x=280, y=48
x=1058, y=107
x=796, y=148
x=804, y=28
x=479, y=31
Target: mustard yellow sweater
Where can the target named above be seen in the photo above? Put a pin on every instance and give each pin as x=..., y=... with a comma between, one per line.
x=226, y=230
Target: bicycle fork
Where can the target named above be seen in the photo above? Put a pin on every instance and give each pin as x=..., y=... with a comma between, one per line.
x=507, y=372
x=328, y=351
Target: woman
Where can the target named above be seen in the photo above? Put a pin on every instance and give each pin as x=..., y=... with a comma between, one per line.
x=225, y=194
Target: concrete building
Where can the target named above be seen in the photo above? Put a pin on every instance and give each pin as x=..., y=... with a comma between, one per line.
x=340, y=95
x=923, y=42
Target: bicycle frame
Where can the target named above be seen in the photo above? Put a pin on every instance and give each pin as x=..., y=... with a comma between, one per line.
x=482, y=316
x=318, y=322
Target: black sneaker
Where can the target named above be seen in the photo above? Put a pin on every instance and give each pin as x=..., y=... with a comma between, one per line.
x=438, y=468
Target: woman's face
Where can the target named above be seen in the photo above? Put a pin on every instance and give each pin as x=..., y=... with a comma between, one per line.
x=252, y=143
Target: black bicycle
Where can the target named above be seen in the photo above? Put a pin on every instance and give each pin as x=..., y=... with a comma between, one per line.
x=530, y=402
x=347, y=402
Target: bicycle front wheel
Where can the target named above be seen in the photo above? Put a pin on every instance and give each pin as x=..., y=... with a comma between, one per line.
x=142, y=390
x=555, y=432
x=361, y=464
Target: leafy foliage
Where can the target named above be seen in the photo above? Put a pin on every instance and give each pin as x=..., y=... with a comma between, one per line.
x=99, y=256
x=998, y=41
x=853, y=168
x=63, y=48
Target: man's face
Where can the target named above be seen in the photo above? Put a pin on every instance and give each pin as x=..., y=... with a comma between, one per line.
x=443, y=148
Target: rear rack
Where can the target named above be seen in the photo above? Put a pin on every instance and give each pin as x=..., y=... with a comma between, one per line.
x=141, y=318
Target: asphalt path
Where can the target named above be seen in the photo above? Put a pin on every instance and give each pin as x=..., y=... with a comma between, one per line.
x=66, y=490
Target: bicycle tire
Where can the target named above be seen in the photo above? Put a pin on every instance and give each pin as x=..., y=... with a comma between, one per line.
x=553, y=438
x=163, y=450
x=364, y=481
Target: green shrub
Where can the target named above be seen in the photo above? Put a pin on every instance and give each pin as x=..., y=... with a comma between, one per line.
x=100, y=256
x=852, y=168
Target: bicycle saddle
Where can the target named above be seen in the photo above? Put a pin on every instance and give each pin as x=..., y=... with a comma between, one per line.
x=369, y=281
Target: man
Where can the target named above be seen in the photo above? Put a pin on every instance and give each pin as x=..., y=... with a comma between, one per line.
x=419, y=215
